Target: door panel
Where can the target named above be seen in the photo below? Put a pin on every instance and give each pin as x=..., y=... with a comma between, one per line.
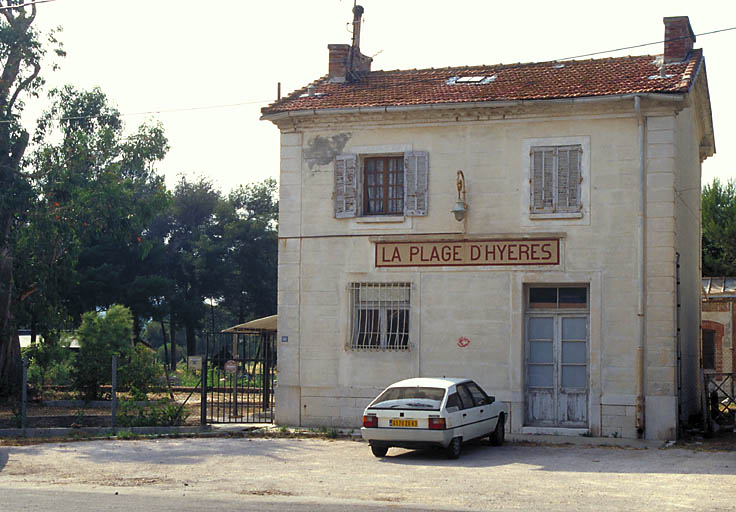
x=557, y=370
x=573, y=394
x=540, y=371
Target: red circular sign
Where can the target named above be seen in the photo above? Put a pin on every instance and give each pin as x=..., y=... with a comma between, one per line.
x=463, y=342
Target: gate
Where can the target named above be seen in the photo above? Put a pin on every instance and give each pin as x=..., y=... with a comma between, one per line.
x=720, y=400
x=240, y=375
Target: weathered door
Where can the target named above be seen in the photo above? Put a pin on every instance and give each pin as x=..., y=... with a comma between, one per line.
x=556, y=352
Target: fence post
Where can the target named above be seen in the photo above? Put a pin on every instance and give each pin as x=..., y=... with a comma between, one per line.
x=203, y=399
x=114, y=393
x=24, y=397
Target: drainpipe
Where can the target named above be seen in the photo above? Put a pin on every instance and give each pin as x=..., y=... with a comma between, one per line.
x=641, y=274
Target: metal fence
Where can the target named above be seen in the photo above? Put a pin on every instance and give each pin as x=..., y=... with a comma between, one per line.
x=719, y=397
x=239, y=378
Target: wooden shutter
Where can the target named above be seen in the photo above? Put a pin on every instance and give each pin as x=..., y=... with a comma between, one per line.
x=346, y=186
x=542, y=179
x=568, y=178
x=416, y=183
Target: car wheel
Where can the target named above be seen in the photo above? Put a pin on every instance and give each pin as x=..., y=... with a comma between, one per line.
x=453, y=449
x=499, y=434
x=379, y=451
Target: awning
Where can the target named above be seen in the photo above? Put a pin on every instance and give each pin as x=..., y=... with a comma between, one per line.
x=267, y=323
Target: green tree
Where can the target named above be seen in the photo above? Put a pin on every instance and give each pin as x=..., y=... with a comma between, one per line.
x=250, y=238
x=194, y=255
x=97, y=193
x=719, y=228
x=21, y=54
x=101, y=336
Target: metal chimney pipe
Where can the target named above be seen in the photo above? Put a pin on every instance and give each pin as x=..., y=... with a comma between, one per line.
x=357, y=15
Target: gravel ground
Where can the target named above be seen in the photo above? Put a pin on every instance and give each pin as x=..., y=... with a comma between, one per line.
x=514, y=477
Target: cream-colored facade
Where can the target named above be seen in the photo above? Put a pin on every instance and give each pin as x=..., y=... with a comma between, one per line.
x=560, y=269
x=323, y=381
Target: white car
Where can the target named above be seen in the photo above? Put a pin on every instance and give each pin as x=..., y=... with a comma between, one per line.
x=424, y=412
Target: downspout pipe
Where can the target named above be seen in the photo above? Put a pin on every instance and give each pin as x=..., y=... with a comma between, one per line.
x=641, y=274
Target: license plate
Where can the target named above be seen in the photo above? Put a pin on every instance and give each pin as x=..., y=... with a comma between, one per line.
x=402, y=423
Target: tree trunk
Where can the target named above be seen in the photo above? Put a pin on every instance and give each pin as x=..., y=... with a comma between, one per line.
x=191, y=341
x=136, y=328
x=10, y=361
x=172, y=337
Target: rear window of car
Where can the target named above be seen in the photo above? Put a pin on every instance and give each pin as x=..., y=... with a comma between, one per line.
x=417, y=398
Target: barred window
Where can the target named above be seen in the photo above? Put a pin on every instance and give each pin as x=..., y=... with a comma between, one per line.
x=380, y=315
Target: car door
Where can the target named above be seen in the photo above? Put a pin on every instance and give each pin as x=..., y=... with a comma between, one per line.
x=486, y=414
x=469, y=414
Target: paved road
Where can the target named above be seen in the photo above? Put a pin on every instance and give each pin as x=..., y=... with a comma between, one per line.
x=312, y=474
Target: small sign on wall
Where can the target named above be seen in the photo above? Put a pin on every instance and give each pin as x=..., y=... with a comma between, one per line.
x=463, y=342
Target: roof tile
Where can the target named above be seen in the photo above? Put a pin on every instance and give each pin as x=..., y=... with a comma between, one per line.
x=530, y=81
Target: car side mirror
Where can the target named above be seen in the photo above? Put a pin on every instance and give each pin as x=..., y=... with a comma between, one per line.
x=490, y=400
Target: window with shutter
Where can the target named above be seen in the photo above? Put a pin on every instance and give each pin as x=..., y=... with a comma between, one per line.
x=346, y=190
x=416, y=164
x=555, y=179
x=374, y=185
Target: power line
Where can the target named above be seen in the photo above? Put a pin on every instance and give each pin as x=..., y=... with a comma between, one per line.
x=21, y=6
x=232, y=105
x=509, y=67
x=648, y=44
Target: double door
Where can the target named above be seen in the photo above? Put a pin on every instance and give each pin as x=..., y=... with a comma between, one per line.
x=557, y=373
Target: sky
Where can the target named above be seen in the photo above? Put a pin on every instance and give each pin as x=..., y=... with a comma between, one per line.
x=205, y=68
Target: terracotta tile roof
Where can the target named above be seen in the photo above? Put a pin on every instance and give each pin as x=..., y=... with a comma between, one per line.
x=533, y=81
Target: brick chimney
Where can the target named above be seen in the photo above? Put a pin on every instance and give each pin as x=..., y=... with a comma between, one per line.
x=678, y=38
x=346, y=62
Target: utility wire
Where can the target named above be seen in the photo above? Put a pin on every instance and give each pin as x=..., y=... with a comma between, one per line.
x=648, y=44
x=501, y=66
x=20, y=6
x=508, y=67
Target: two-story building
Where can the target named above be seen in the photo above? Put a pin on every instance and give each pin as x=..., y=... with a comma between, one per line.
x=535, y=227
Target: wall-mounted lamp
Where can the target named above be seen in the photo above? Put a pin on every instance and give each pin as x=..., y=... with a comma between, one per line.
x=460, y=205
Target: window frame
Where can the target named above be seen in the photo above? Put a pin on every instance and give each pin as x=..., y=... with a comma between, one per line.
x=582, y=215
x=385, y=308
x=350, y=195
x=386, y=186
x=552, y=190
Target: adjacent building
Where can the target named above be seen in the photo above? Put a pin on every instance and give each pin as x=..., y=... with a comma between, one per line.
x=535, y=227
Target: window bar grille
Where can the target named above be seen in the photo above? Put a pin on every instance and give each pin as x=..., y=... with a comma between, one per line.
x=380, y=315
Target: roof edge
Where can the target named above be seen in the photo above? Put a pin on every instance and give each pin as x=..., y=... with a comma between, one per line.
x=276, y=116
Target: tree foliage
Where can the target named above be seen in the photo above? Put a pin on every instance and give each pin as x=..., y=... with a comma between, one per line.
x=719, y=228
x=101, y=336
x=21, y=53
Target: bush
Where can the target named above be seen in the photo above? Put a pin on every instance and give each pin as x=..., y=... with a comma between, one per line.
x=49, y=363
x=161, y=413
x=100, y=337
x=140, y=373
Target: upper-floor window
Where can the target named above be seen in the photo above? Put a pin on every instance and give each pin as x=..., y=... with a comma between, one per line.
x=383, y=186
x=555, y=179
x=377, y=185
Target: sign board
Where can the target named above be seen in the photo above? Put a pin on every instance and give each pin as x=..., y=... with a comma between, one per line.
x=195, y=362
x=455, y=253
x=231, y=366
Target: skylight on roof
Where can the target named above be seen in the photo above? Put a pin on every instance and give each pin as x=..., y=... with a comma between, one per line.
x=470, y=80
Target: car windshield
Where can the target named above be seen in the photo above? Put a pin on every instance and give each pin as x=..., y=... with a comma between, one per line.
x=421, y=398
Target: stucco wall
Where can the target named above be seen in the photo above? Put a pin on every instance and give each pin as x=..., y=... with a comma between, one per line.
x=320, y=256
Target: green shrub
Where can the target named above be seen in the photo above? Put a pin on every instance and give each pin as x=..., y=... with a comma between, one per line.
x=49, y=363
x=100, y=337
x=161, y=413
x=140, y=372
